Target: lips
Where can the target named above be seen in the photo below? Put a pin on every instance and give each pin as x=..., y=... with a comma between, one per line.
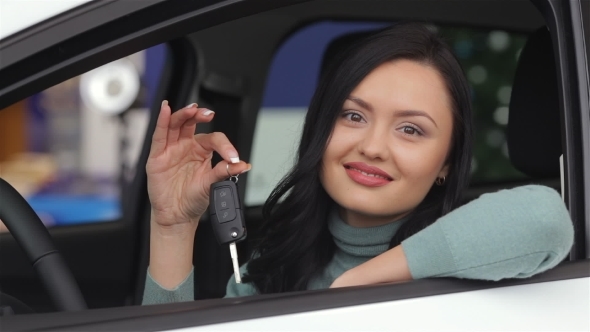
x=366, y=175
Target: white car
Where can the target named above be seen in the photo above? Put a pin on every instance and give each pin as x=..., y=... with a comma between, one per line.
x=527, y=61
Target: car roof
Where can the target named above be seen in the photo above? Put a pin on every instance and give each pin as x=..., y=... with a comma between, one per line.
x=14, y=19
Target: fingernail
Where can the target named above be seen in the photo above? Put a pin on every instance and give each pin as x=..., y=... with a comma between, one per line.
x=233, y=156
x=191, y=105
x=246, y=170
x=207, y=112
x=164, y=102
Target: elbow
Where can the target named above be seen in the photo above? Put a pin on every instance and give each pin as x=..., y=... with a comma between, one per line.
x=550, y=228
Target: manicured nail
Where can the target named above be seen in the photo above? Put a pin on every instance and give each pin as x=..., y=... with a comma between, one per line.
x=207, y=112
x=191, y=105
x=247, y=169
x=164, y=102
x=233, y=156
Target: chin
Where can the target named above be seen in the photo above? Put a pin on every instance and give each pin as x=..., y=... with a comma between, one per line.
x=373, y=209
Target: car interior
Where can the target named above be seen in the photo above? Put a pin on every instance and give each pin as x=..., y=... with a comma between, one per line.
x=228, y=68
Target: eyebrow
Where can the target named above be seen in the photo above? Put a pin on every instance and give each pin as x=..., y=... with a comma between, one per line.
x=404, y=113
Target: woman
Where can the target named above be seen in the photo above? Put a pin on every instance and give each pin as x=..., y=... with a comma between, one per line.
x=383, y=160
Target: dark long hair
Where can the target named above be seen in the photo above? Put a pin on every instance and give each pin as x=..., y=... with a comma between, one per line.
x=295, y=243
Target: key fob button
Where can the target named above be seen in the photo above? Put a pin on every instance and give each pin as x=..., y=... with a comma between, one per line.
x=224, y=199
x=226, y=215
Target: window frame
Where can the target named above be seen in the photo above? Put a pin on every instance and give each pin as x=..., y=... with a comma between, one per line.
x=193, y=314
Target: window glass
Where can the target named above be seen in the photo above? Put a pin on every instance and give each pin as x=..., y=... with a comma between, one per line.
x=488, y=59
x=70, y=149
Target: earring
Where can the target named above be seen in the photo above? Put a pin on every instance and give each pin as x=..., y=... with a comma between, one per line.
x=440, y=181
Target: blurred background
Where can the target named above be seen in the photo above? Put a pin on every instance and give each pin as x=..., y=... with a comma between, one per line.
x=69, y=149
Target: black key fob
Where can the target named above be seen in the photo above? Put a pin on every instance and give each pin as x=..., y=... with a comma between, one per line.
x=225, y=209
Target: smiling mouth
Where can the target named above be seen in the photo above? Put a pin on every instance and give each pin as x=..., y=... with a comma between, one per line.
x=368, y=174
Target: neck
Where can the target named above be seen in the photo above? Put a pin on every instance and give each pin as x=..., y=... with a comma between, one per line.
x=360, y=220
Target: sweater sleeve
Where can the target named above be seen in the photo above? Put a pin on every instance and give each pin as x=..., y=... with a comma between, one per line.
x=155, y=293
x=512, y=233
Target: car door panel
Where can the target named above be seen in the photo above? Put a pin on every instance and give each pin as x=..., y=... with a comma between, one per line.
x=542, y=292
x=515, y=308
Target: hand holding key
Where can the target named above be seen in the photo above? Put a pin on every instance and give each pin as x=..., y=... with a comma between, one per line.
x=179, y=167
x=180, y=175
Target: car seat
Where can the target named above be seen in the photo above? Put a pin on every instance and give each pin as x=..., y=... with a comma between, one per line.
x=534, y=126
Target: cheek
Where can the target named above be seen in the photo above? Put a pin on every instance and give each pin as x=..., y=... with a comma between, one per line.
x=341, y=141
x=420, y=162
x=339, y=145
x=331, y=151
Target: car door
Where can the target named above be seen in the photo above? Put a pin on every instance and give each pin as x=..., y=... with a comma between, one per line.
x=315, y=303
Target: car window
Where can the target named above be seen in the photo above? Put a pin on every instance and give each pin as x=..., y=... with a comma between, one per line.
x=488, y=58
x=70, y=149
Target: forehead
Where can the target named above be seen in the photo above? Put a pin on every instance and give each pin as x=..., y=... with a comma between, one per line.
x=405, y=84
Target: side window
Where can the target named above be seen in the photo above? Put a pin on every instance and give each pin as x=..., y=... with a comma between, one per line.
x=70, y=149
x=488, y=58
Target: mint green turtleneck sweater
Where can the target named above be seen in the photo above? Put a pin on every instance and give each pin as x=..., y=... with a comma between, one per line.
x=512, y=233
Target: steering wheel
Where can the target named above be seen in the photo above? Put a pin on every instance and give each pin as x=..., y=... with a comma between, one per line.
x=30, y=233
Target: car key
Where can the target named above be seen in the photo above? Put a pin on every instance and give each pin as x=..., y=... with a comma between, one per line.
x=227, y=217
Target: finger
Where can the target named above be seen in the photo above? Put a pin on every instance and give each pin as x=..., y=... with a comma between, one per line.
x=224, y=170
x=220, y=143
x=188, y=128
x=178, y=119
x=159, y=138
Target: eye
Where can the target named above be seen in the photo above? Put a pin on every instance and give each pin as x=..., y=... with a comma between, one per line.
x=353, y=116
x=411, y=131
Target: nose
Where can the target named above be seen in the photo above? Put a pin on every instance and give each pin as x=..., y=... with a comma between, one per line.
x=373, y=144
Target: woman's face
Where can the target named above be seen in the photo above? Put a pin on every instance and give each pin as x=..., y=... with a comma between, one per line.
x=389, y=143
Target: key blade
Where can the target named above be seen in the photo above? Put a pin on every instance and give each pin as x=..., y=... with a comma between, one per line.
x=233, y=251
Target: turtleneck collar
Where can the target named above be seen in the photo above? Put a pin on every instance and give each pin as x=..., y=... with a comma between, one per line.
x=361, y=241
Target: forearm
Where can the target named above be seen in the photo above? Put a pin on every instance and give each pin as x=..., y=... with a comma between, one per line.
x=171, y=252
x=512, y=233
x=390, y=266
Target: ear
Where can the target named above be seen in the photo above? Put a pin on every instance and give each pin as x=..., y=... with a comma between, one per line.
x=444, y=171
